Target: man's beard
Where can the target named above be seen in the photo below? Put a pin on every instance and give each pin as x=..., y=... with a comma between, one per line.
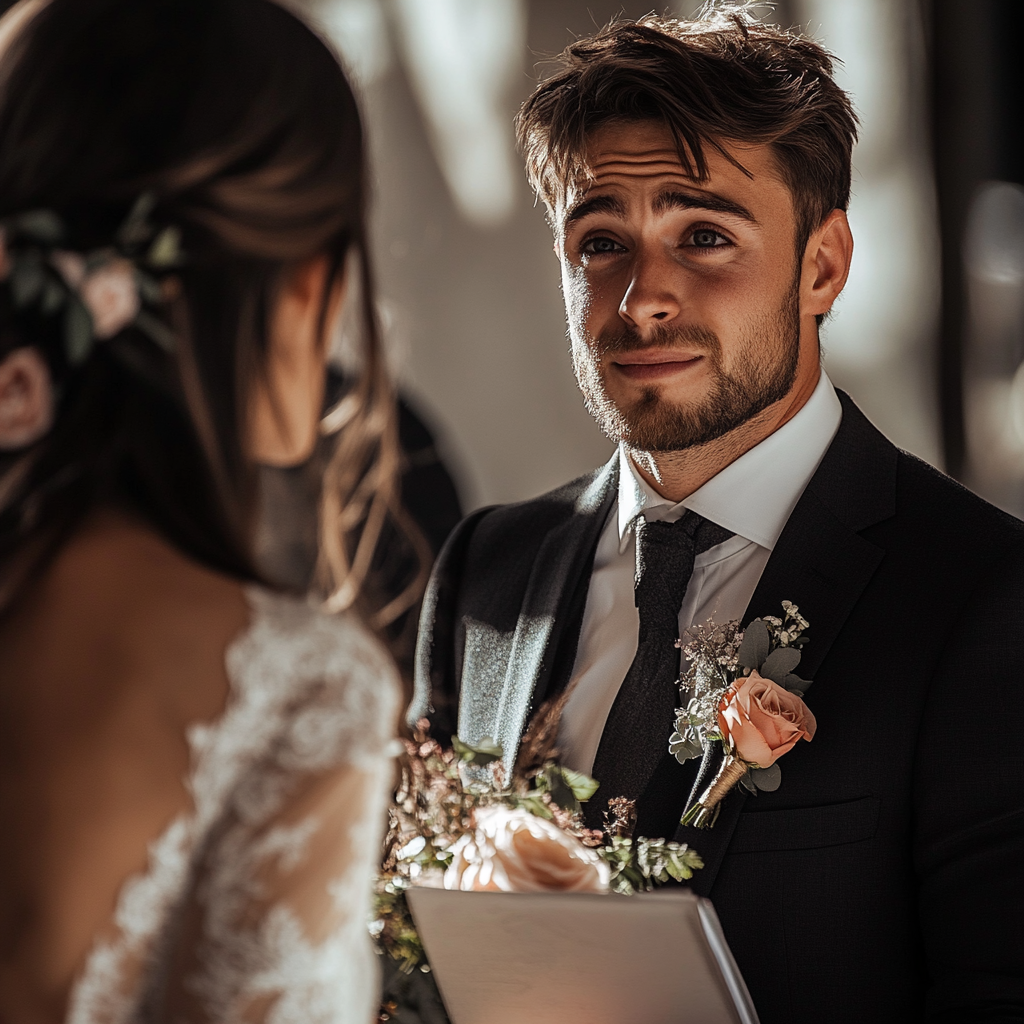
x=766, y=368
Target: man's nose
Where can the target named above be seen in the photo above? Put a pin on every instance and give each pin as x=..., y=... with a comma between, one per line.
x=651, y=298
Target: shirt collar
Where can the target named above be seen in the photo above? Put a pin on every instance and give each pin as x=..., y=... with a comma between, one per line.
x=755, y=495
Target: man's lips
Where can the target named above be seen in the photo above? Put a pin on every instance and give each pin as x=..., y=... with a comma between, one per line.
x=647, y=364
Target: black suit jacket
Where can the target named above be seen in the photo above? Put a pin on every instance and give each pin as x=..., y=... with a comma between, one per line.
x=884, y=880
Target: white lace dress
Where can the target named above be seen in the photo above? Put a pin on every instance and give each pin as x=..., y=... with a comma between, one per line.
x=254, y=905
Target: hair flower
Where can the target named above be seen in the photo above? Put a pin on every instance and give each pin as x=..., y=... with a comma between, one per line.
x=111, y=295
x=99, y=293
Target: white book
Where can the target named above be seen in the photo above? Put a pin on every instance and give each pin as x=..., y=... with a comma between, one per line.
x=554, y=958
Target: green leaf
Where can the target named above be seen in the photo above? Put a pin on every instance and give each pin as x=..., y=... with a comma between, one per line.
x=779, y=664
x=149, y=287
x=537, y=807
x=767, y=779
x=583, y=786
x=561, y=792
x=755, y=645
x=483, y=753
x=166, y=250
x=54, y=296
x=43, y=226
x=135, y=228
x=157, y=330
x=27, y=281
x=77, y=333
x=796, y=685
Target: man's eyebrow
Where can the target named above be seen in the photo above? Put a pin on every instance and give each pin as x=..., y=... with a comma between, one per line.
x=675, y=199
x=667, y=200
x=597, y=204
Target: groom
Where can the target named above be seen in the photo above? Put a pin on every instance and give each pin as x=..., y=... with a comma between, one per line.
x=697, y=177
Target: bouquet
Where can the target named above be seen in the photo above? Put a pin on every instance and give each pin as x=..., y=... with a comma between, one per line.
x=458, y=822
x=746, y=697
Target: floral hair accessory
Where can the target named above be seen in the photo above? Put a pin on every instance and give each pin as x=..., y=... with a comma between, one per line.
x=100, y=293
x=26, y=399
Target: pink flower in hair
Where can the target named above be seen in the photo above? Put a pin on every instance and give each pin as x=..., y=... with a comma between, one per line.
x=111, y=295
x=70, y=266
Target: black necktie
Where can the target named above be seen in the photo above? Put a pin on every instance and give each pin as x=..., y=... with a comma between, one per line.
x=641, y=720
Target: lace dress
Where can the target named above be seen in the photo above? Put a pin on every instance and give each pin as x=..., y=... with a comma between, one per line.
x=254, y=905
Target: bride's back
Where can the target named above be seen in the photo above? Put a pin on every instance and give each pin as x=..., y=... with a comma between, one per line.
x=108, y=658
x=194, y=764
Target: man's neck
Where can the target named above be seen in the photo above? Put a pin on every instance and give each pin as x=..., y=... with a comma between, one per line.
x=676, y=475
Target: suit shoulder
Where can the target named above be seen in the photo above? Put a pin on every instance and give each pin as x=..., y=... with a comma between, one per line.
x=943, y=500
x=530, y=520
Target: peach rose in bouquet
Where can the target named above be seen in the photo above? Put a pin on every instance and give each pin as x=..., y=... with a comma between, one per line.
x=762, y=721
x=512, y=850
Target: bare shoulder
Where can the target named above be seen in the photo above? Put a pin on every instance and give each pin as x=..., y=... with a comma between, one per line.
x=106, y=659
x=120, y=606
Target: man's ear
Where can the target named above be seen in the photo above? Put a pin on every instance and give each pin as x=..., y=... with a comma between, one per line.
x=826, y=264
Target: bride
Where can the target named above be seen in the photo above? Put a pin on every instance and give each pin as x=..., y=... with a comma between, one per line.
x=194, y=765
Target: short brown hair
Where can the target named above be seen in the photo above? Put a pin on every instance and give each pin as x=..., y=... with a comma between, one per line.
x=723, y=78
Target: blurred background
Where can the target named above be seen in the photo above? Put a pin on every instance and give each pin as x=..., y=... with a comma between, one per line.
x=927, y=337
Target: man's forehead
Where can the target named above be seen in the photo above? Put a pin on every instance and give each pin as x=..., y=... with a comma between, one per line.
x=640, y=141
x=622, y=158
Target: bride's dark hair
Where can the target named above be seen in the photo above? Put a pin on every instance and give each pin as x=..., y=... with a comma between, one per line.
x=238, y=120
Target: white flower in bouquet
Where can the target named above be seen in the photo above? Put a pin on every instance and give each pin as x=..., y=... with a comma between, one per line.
x=513, y=850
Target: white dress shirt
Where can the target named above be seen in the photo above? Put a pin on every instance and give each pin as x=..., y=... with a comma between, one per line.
x=753, y=496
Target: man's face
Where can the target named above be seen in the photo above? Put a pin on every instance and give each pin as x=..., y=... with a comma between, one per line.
x=682, y=297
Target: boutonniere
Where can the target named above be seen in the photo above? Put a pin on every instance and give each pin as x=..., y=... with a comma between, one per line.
x=746, y=697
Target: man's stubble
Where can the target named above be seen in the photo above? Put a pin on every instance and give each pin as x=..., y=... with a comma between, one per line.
x=764, y=373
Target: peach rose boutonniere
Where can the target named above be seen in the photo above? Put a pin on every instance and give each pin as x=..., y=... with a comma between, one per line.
x=746, y=697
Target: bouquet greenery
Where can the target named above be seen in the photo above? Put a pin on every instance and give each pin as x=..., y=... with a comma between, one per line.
x=460, y=821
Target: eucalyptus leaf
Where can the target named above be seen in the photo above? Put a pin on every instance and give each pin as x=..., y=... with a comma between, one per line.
x=779, y=664
x=747, y=783
x=77, y=333
x=754, y=646
x=796, y=685
x=767, y=779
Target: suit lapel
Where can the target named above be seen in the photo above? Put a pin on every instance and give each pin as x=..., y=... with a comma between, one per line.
x=822, y=564
x=564, y=556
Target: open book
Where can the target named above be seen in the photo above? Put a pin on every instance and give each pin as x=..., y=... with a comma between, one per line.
x=554, y=958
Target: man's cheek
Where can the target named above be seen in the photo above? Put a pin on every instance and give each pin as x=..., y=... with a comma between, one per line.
x=578, y=297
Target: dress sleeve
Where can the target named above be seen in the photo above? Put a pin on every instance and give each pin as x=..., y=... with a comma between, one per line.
x=274, y=926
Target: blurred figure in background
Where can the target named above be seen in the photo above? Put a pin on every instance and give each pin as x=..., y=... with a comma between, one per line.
x=195, y=763
x=288, y=535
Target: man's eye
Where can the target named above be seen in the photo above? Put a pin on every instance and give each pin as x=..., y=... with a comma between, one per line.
x=705, y=238
x=600, y=246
